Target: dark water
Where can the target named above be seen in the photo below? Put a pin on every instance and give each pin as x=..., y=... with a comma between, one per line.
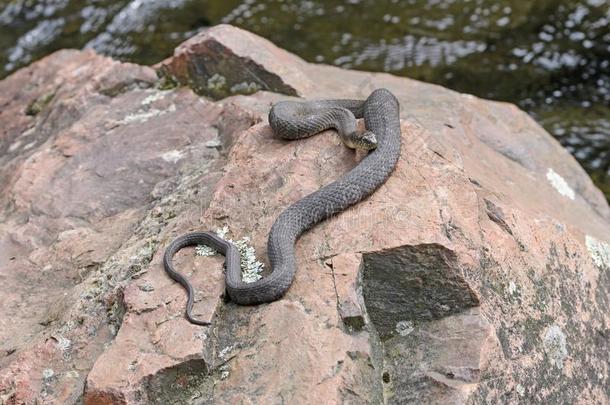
x=551, y=57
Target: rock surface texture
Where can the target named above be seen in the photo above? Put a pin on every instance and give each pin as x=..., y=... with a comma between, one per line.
x=479, y=273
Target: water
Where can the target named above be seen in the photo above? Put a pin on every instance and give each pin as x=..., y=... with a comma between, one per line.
x=550, y=57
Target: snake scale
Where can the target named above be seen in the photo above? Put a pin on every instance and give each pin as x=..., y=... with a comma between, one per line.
x=295, y=120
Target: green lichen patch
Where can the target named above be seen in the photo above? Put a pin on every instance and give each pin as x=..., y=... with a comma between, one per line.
x=166, y=81
x=36, y=106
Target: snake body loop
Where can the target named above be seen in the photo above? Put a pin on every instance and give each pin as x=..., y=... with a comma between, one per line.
x=295, y=120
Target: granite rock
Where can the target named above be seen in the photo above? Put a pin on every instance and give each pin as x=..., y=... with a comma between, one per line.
x=479, y=273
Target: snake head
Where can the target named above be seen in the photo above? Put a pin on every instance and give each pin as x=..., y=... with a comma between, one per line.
x=364, y=141
x=367, y=141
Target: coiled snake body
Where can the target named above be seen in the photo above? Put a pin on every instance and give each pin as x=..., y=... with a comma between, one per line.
x=294, y=120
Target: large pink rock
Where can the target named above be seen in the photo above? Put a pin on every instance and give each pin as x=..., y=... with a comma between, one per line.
x=89, y=178
x=477, y=273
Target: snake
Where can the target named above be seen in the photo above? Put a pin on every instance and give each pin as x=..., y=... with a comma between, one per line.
x=293, y=120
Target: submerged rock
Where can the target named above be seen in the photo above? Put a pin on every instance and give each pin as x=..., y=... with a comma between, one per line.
x=471, y=276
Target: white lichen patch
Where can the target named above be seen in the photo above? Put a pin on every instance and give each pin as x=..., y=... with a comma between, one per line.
x=68, y=326
x=29, y=145
x=520, y=390
x=560, y=184
x=28, y=131
x=251, y=268
x=403, y=328
x=172, y=156
x=47, y=373
x=14, y=146
x=554, y=342
x=155, y=96
x=225, y=351
x=202, y=335
x=599, y=251
x=141, y=116
x=144, y=115
x=204, y=250
x=63, y=343
x=512, y=288
x=214, y=143
x=224, y=372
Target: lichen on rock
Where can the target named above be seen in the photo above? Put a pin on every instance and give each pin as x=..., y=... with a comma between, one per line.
x=251, y=268
x=599, y=251
x=39, y=103
x=555, y=345
x=560, y=184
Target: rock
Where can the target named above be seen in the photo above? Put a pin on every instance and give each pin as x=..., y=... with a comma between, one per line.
x=226, y=60
x=88, y=184
x=477, y=273
x=420, y=282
